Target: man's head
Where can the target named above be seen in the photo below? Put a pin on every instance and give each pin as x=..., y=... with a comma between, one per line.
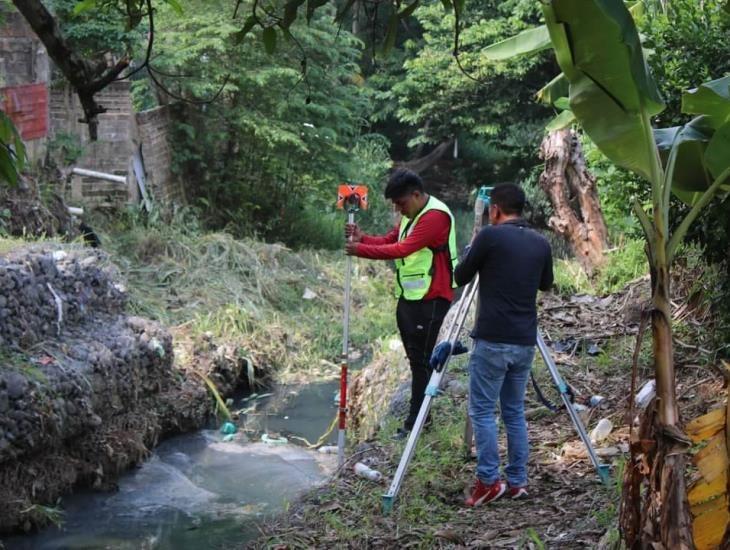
x=405, y=191
x=507, y=201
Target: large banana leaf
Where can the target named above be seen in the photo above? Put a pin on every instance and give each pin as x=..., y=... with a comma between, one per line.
x=612, y=93
x=690, y=141
x=699, y=163
x=525, y=43
x=702, y=145
x=711, y=98
x=555, y=89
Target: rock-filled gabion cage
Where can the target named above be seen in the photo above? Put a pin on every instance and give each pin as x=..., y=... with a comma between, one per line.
x=83, y=386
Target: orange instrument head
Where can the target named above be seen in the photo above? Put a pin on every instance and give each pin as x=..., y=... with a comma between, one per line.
x=352, y=197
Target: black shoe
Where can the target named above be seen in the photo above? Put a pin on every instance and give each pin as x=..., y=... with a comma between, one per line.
x=400, y=434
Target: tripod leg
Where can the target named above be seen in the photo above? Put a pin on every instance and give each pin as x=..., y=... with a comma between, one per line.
x=468, y=437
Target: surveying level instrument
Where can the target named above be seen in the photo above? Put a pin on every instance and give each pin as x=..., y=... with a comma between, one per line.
x=350, y=198
x=454, y=323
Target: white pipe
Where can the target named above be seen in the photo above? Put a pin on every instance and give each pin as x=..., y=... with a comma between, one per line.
x=74, y=211
x=100, y=175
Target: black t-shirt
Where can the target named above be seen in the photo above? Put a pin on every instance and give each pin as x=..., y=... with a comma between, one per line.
x=513, y=262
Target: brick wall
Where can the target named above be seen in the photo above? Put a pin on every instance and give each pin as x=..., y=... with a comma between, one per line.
x=24, y=61
x=111, y=153
x=153, y=129
x=116, y=124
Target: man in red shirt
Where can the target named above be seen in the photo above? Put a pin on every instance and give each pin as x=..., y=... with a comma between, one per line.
x=423, y=246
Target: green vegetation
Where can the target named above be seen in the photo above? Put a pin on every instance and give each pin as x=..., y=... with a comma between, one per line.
x=488, y=107
x=275, y=107
x=281, y=308
x=624, y=263
x=271, y=150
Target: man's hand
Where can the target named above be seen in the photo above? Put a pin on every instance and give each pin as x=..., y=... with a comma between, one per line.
x=351, y=248
x=353, y=233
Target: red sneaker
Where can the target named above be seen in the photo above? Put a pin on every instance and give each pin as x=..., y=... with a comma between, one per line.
x=483, y=494
x=517, y=492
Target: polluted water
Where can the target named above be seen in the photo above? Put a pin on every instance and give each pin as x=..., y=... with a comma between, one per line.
x=196, y=490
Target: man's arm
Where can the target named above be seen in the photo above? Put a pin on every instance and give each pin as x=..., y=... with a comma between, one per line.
x=431, y=230
x=389, y=238
x=469, y=265
x=546, y=281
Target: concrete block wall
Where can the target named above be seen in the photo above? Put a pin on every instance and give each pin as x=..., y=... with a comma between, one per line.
x=153, y=128
x=115, y=125
x=23, y=59
x=111, y=153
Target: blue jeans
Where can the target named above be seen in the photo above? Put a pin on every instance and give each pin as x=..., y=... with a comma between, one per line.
x=500, y=371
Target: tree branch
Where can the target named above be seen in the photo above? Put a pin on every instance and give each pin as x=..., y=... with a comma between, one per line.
x=86, y=78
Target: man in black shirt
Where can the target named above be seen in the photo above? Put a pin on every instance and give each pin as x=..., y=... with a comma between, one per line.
x=513, y=262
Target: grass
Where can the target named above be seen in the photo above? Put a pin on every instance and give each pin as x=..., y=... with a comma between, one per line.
x=248, y=293
x=624, y=263
x=46, y=514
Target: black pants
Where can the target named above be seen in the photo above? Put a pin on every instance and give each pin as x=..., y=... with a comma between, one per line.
x=419, y=323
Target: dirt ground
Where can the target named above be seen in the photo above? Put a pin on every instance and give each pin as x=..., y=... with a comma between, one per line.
x=593, y=342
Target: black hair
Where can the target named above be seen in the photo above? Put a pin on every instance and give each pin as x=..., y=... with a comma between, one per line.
x=401, y=182
x=509, y=197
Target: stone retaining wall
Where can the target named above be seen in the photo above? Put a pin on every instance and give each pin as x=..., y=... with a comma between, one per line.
x=85, y=390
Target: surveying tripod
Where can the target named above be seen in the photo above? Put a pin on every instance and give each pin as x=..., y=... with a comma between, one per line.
x=455, y=319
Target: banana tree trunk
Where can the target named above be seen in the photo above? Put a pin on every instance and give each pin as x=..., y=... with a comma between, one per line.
x=666, y=508
x=655, y=510
x=572, y=191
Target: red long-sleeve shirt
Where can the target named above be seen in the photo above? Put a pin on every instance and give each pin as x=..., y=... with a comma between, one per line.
x=431, y=231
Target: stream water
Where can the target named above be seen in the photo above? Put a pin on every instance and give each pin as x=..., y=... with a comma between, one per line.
x=197, y=491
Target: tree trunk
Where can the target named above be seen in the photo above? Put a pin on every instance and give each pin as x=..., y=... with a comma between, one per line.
x=86, y=77
x=421, y=164
x=572, y=191
x=655, y=510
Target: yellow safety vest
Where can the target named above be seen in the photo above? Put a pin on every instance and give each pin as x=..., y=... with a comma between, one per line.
x=414, y=273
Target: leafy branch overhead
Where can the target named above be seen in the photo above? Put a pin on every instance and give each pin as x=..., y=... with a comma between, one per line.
x=89, y=76
x=589, y=79
x=273, y=19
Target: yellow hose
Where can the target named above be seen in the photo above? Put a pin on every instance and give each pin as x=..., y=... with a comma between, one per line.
x=321, y=438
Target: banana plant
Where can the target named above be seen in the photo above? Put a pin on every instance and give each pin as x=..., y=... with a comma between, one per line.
x=12, y=151
x=613, y=96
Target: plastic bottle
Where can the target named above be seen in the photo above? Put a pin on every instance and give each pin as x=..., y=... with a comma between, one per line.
x=328, y=449
x=582, y=411
x=228, y=428
x=601, y=431
x=596, y=400
x=368, y=473
x=646, y=394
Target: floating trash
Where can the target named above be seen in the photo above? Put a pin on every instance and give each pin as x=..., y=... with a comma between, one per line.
x=266, y=438
x=229, y=428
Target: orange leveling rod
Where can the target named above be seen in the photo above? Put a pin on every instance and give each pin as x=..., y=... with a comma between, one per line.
x=350, y=198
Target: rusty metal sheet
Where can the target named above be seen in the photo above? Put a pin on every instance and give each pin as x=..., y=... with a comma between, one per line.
x=27, y=107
